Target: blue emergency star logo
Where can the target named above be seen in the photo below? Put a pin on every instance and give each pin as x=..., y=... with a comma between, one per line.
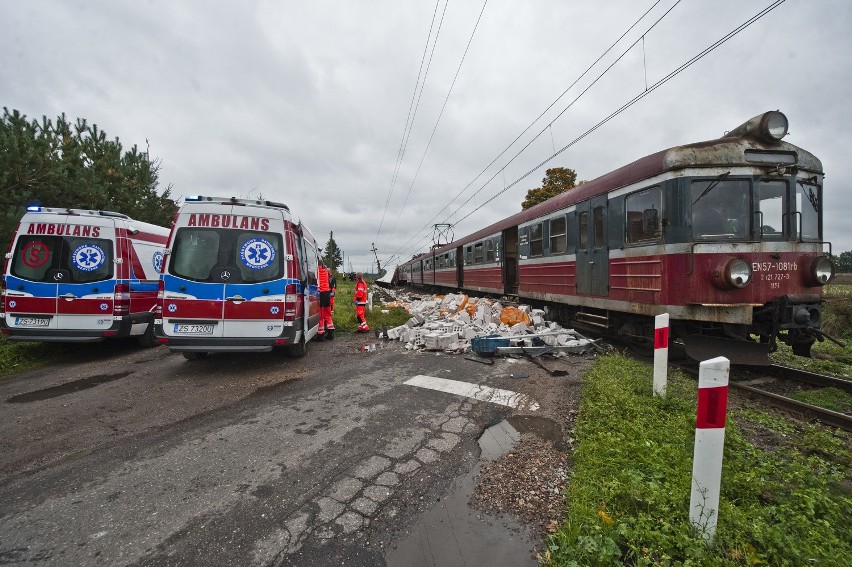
x=88, y=257
x=257, y=253
x=158, y=261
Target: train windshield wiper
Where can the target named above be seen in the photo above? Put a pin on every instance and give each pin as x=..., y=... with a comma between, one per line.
x=712, y=186
x=809, y=191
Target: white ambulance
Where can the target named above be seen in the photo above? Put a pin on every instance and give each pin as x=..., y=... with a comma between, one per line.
x=240, y=276
x=81, y=276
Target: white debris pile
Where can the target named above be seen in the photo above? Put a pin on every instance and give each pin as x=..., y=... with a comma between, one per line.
x=460, y=323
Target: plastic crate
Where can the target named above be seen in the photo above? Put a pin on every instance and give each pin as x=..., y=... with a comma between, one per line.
x=488, y=344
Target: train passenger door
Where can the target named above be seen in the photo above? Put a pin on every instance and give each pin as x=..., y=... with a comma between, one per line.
x=592, y=248
x=510, y=261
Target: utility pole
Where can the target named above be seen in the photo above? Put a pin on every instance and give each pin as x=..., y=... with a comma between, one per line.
x=375, y=253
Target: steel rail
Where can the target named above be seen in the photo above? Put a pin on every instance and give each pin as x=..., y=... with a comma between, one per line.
x=813, y=378
x=828, y=417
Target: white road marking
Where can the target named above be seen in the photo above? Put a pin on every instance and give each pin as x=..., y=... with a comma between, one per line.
x=476, y=391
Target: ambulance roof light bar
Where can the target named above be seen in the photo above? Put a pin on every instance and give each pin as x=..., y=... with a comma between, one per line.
x=236, y=201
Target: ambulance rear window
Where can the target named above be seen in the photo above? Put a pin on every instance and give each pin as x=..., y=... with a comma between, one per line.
x=62, y=259
x=203, y=254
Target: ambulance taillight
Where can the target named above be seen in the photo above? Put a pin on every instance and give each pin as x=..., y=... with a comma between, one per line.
x=291, y=301
x=161, y=294
x=121, y=304
x=3, y=296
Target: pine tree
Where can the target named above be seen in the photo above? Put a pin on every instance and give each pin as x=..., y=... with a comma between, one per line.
x=332, y=256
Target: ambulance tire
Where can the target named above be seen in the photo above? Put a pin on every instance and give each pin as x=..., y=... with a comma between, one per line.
x=194, y=355
x=148, y=339
x=299, y=349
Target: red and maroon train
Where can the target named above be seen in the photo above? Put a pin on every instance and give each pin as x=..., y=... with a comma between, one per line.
x=725, y=236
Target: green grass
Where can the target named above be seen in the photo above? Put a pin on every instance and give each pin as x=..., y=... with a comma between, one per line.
x=18, y=357
x=344, y=310
x=628, y=497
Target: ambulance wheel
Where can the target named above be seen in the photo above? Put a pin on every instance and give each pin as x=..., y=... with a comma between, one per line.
x=299, y=349
x=148, y=339
x=194, y=355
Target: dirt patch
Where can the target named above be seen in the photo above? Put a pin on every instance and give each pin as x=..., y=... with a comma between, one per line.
x=528, y=481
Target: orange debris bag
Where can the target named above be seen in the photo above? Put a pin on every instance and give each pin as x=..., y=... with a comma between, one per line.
x=512, y=316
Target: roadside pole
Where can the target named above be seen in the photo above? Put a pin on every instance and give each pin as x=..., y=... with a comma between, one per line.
x=709, y=445
x=661, y=354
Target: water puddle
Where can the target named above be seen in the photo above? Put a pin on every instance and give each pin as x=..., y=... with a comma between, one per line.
x=499, y=439
x=453, y=533
x=67, y=388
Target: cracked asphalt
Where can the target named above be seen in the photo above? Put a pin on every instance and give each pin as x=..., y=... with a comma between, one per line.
x=235, y=459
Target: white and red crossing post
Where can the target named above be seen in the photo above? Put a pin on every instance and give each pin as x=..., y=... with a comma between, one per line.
x=661, y=353
x=709, y=444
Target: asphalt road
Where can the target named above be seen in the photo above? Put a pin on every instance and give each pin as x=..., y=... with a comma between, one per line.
x=138, y=457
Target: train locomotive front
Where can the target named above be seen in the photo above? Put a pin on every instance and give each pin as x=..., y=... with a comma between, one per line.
x=725, y=236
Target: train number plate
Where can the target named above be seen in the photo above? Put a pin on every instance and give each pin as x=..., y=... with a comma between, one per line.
x=194, y=329
x=31, y=322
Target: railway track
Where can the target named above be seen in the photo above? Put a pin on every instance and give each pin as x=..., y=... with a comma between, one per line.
x=754, y=382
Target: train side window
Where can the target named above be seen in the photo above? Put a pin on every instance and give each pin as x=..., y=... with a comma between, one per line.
x=558, y=236
x=536, y=240
x=598, y=219
x=468, y=255
x=808, y=198
x=642, y=215
x=489, y=250
x=583, y=230
x=477, y=253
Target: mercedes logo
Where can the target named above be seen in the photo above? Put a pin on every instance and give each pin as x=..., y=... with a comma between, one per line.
x=58, y=276
x=226, y=275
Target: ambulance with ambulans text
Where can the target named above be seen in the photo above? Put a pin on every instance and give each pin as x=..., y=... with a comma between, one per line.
x=240, y=276
x=81, y=276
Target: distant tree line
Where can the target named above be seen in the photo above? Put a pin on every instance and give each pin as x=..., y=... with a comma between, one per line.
x=55, y=163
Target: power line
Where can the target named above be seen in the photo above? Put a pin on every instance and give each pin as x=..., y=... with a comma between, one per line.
x=589, y=68
x=440, y=114
x=636, y=99
x=409, y=120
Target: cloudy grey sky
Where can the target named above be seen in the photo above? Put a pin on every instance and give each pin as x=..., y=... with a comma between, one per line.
x=307, y=102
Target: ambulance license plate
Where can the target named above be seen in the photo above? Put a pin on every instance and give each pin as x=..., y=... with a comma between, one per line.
x=194, y=329
x=31, y=322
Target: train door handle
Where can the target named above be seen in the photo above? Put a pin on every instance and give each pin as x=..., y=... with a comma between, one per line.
x=236, y=298
x=68, y=297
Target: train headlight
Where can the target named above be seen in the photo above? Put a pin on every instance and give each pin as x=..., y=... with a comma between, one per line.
x=734, y=274
x=774, y=125
x=821, y=272
x=738, y=273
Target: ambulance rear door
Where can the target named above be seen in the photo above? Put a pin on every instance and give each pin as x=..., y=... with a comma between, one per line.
x=61, y=275
x=255, y=294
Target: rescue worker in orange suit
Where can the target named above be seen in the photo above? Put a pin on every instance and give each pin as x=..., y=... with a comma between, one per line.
x=361, y=302
x=326, y=325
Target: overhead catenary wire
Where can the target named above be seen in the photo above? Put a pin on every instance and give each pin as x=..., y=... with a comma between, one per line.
x=408, y=244
x=635, y=99
x=440, y=114
x=409, y=120
x=624, y=107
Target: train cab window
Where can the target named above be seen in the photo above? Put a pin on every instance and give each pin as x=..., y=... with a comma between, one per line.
x=489, y=250
x=642, y=215
x=808, y=199
x=583, y=230
x=598, y=219
x=477, y=253
x=536, y=240
x=558, y=236
x=720, y=209
x=771, y=207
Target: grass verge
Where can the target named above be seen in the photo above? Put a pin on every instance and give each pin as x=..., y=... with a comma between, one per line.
x=782, y=503
x=344, y=310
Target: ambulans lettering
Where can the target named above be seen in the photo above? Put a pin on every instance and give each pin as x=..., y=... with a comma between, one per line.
x=64, y=230
x=228, y=221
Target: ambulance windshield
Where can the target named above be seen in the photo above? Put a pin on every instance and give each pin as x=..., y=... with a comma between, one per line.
x=207, y=254
x=62, y=259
